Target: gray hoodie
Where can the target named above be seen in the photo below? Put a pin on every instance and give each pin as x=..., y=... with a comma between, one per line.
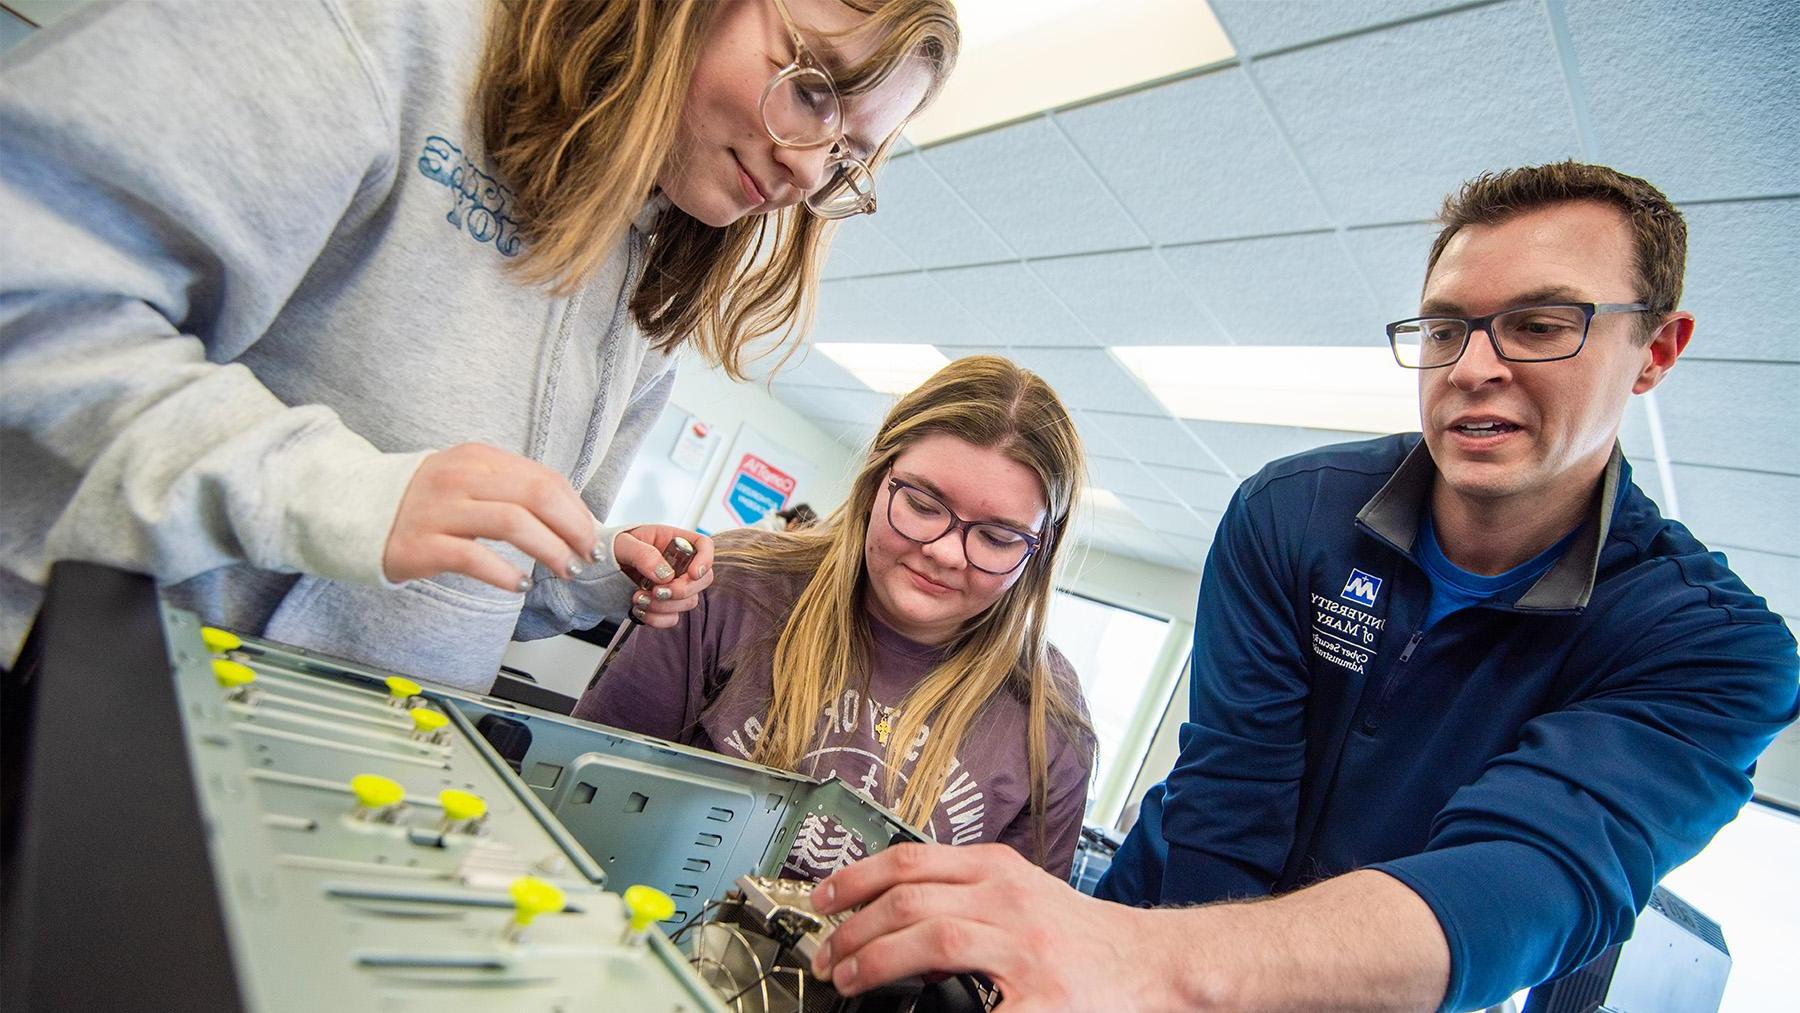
x=254, y=271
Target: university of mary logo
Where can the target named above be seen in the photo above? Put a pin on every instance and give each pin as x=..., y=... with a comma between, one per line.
x=1361, y=589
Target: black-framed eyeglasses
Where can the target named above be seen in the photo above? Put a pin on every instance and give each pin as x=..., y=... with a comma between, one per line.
x=801, y=109
x=1523, y=334
x=919, y=516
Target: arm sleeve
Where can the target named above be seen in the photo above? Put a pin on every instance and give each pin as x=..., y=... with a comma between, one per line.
x=1229, y=804
x=657, y=684
x=158, y=219
x=555, y=605
x=1545, y=859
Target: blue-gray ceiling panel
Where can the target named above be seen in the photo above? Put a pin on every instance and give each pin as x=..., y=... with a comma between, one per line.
x=859, y=248
x=1393, y=259
x=1390, y=121
x=919, y=214
x=1257, y=26
x=1202, y=490
x=1027, y=183
x=1197, y=159
x=1149, y=439
x=1089, y=379
x=1748, y=509
x=1129, y=298
x=1282, y=290
x=1014, y=305
x=1743, y=271
x=906, y=308
x=1246, y=447
x=1732, y=415
x=1123, y=478
x=1699, y=97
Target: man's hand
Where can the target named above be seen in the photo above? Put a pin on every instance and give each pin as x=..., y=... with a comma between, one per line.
x=474, y=491
x=931, y=907
x=639, y=553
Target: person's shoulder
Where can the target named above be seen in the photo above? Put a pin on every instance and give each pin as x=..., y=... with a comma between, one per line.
x=764, y=586
x=1361, y=463
x=1666, y=570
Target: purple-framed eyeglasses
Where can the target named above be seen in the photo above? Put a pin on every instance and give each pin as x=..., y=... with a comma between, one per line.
x=918, y=515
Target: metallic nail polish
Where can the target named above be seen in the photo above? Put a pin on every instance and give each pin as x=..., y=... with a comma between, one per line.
x=664, y=594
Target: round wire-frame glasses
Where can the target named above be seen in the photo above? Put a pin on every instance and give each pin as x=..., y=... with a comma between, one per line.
x=922, y=517
x=801, y=109
x=1543, y=333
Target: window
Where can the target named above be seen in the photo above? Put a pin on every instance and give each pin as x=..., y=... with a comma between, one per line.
x=1115, y=652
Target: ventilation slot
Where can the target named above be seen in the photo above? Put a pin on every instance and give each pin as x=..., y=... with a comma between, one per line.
x=708, y=840
x=685, y=890
x=696, y=865
x=719, y=815
x=584, y=793
x=637, y=802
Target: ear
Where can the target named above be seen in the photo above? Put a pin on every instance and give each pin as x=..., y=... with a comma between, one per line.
x=1666, y=345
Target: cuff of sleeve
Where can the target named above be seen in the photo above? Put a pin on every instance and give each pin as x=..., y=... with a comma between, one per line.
x=337, y=506
x=1511, y=916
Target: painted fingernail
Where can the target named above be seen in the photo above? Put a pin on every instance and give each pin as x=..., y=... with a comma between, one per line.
x=524, y=584
x=664, y=594
x=638, y=614
x=640, y=599
x=574, y=567
x=663, y=572
x=595, y=555
x=701, y=572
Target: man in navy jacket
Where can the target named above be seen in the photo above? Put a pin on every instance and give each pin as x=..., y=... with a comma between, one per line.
x=1459, y=698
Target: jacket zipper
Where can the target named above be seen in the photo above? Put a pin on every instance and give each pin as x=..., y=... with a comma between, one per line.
x=1369, y=722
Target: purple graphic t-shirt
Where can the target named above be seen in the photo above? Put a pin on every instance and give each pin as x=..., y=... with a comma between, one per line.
x=707, y=682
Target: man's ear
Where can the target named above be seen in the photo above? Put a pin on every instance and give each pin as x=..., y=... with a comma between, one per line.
x=1666, y=345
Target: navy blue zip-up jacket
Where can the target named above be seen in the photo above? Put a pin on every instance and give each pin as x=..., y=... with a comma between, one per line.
x=1529, y=767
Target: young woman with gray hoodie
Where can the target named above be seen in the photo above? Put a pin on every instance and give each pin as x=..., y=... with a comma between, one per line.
x=343, y=319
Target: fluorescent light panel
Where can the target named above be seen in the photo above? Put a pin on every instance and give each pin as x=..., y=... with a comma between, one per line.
x=1024, y=56
x=1356, y=389
x=887, y=368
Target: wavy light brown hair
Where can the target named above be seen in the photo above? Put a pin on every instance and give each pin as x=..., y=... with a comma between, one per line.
x=1658, y=231
x=578, y=104
x=823, y=646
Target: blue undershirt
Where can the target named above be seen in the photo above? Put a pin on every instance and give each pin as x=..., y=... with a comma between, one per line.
x=1454, y=588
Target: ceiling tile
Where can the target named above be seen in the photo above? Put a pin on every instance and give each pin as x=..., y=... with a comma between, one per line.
x=1046, y=201
x=1090, y=379
x=1386, y=131
x=1015, y=306
x=1129, y=298
x=864, y=406
x=1743, y=266
x=1196, y=159
x=1393, y=259
x=1732, y=415
x=1283, y=290
x=859, y=248
x=1193, y=550
x=1257, y=26
x=1668, y=79
x=1163, y=516
x=809, y=367
x=1748, y=509
x=1202, y=490
x=1149, y=439
x=920, y=215
x=1123, y=478
x=1246, y=447
x=906, y=308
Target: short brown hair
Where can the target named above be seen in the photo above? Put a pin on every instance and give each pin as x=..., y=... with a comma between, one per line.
x=1659, y=233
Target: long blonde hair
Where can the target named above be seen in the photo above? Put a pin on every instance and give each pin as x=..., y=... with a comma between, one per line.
x=579, y=103
x=987, y=401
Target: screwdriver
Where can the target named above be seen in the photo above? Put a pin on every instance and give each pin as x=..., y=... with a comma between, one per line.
x=678, y=554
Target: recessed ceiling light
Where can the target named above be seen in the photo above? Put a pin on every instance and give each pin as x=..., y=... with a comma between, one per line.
x=888, y=368
x=1357, y=389
x=1022, y=58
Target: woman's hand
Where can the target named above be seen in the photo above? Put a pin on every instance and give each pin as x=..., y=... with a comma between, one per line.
x=474, y=491
x=639, y=553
